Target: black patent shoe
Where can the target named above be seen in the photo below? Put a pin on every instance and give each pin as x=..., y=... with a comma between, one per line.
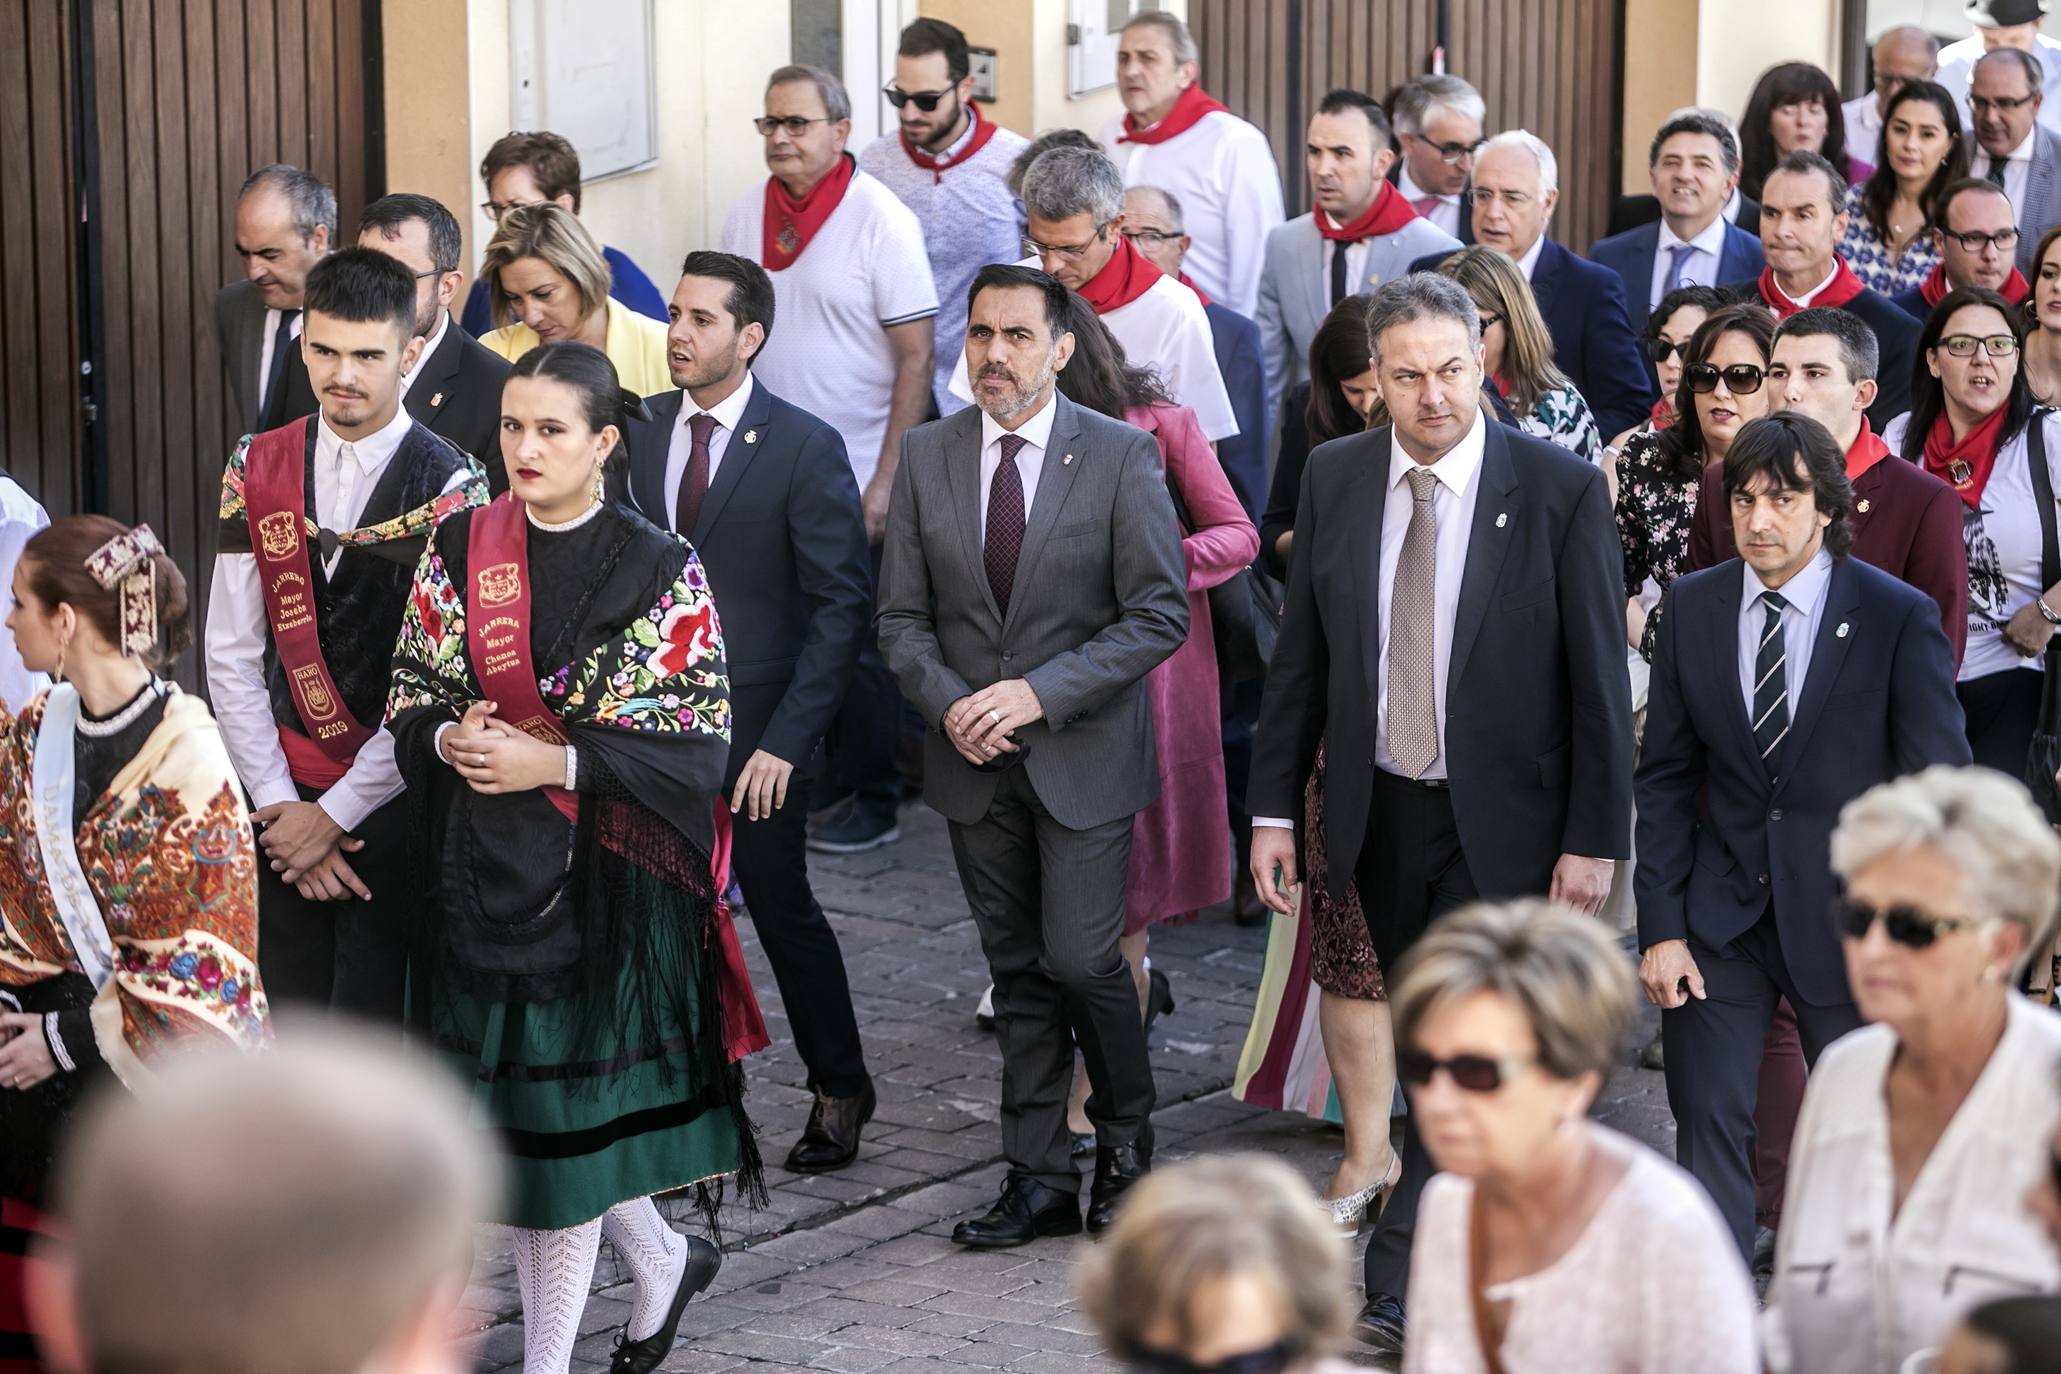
x=1026, y=1210
x=641, y=1357
x=1380, y=1327
x=1117, y=1167
x=831, y=1139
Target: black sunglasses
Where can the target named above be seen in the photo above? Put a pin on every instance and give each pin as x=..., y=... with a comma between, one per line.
x=1660, y=350
x=925, y=101
x=1274, y=1359
x=1741, y=379
x=1477, y=1073
x=1906, y=925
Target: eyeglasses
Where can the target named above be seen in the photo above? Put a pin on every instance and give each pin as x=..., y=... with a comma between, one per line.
x=794, y=124
x=1453, y=154
x=1489, y=320
x=1477, y=1073
x=1741, y=379
x=1150, y=237
x=1072, y=252
x=495, y=209
x=1975, y=243
x=1482, y=197
x=433, y=272
x=1979, y=104
x=1906, y=925
x=1963, y=345
x=1660, y=350
x=1272, y=1360
x=925, y=101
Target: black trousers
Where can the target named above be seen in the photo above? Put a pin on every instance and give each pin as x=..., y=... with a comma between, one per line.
x=770, y=858
x=350, y=956
x=1049, y=905
x=1713, y=1050
x=2003, y=710
x=860, y=747
x=1411, y=872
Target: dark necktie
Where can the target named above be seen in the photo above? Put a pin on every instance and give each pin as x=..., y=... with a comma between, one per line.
x=694, y=482
x=1339, y=289
x=1005, y=522
x=275, y=375
x=1996, y=168
x=1771, y=686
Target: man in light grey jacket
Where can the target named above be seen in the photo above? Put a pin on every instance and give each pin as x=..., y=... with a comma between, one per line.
x=1360, y=234
x=1031, y=577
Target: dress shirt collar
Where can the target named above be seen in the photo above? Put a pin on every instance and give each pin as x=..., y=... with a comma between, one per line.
x=1804, y=592
x=1036, y=431
x=1803, y=301
x=727, y=411
x=1711, y=240
x=1413, y=192
x=373, y=451
x=951, y=154
x=1733, y=206
x=1456, y=468
x=1530, y=261
x=2023, y=152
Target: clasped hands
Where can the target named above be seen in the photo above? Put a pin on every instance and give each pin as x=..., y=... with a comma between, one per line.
x=979, y=724
x=494, y=757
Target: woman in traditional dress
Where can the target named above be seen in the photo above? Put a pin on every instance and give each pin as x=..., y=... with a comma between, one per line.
x=128, y=875
x=561, y=714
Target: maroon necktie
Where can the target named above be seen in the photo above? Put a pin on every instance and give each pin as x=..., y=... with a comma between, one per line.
x=1005, y=522
x=694, y=482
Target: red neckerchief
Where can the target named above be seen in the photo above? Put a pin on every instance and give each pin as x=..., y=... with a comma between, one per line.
x=1965, y=466
x=791, y=223
x=1662, y=416
x=1843, y=287
x=1127, y=275
x=1187, y=112
x=983, y=130
x=1200, y=294
x=1935, y=288
x=1388, y=213
x=1867, y=450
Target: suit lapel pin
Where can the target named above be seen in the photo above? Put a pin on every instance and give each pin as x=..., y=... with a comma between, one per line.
x=1067, y=461
x=1841, y=631
x=1502, y=519
x=1862, y=506
x=751, y=436
x=436, y=400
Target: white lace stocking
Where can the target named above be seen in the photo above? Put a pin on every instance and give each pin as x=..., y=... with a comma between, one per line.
x=657, y=1256
x=555, y=1270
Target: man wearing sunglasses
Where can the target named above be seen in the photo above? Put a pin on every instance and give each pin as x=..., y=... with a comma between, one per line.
x=2017, y=148
x=1438, y=122
x=950, y=165
x=1785, y=683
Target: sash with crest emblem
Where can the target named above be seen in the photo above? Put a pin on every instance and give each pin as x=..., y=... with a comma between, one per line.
x=497, y=629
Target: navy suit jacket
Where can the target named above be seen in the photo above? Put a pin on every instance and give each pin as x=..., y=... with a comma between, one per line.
x=1718, y=840
x=1244, y=366
x=1593, y=340
x=784, y=546
x=1631, y=255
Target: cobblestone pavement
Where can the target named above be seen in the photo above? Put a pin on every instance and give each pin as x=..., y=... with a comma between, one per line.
x=855, y=1271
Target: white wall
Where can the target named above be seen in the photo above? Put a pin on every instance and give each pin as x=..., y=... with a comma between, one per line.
x=1737, y=40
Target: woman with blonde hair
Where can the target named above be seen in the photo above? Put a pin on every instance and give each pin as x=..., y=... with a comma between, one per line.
x=548, y=283
x=1517, y=353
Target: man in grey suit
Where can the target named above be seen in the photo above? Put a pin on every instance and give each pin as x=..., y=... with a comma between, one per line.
x=1031, y=577
x=285, y=224
x=1361, y=233
x=2013, y=149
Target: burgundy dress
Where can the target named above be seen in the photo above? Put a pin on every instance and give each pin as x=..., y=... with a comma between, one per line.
x=1181, y=844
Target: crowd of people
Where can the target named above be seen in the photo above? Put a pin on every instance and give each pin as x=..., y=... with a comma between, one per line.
x=1392, y=569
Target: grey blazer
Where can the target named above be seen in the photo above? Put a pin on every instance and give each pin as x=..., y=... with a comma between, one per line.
x=1100, y=599
x=1295, y=295
x=240, y=325
x=2042, y=195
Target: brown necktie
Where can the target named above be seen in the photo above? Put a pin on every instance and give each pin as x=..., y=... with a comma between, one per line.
x=1412, y=708
x=694, y=482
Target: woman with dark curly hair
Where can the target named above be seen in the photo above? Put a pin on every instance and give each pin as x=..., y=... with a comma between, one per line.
x=1890, y=217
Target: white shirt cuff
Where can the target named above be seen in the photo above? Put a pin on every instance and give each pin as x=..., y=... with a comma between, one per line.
x=1271, y=823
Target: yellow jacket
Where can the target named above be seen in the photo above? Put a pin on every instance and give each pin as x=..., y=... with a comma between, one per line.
x=636, y=345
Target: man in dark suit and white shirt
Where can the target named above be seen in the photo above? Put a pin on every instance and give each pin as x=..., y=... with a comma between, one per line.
x=765, y=494
x=285, y=224
x=1694, y=164
x=454, y=388
x=1031, y=578
x=1785, y=683
x=1454, y=629
x=1516, y=187
x=1438, y=124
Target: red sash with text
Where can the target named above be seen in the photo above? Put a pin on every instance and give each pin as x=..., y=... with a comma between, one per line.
x=276, y=505
x=497, y=629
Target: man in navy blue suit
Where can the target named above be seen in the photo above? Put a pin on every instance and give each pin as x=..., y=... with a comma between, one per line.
x=763, y=491
x=1694, y=163
x=1516, y=186
x=1785, y=683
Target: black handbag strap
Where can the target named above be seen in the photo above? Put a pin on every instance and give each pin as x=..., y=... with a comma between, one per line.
x=2043, y=497
x=1173, y=489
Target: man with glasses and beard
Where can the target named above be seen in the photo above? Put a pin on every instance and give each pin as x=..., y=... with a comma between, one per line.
x=1786, y=682
x=1032, y=577
x=949, y=164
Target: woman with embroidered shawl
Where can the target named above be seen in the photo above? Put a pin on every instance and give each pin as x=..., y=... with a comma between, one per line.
x=561, y=713
x=128, y=875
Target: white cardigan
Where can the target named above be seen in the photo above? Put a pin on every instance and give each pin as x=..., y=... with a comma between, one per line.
x=1856, y=1292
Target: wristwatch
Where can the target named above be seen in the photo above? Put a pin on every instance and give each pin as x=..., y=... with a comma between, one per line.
x=2047, y=613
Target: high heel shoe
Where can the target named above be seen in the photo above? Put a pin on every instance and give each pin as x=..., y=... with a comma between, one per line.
x=1159, y=997
x=1349, y=1213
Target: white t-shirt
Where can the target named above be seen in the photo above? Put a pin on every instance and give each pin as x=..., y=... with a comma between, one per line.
x=1222, y=171
x=1167, y=330
x=828, y=353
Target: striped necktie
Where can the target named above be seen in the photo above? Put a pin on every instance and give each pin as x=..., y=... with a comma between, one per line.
x=1771, y=686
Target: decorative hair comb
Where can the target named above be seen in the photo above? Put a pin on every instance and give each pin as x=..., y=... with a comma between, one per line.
x=125, y=561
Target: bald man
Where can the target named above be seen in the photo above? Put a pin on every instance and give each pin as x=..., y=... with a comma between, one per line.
x=1904, y=53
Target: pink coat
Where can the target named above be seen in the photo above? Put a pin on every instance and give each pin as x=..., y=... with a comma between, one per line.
x=1181, y=844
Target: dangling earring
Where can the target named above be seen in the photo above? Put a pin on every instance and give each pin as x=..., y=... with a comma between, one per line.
x=600, y=481
x=57, y=674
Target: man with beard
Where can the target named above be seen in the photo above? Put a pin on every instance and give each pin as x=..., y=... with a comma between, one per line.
x=950, y=165
x=763, y=491
x=1032, y=577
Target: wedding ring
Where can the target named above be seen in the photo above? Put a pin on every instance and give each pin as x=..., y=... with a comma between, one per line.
x=479, y=760
x=989, y=747
x=995, y=717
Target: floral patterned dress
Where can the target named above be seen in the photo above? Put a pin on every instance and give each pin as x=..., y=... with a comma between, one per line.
x=1562, y=417
x=1874, y=262
x=1654, y=512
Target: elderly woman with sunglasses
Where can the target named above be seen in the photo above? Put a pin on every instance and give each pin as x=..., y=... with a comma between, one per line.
x=1922, y=1134
x=1974, y=425
x=1548, y=1241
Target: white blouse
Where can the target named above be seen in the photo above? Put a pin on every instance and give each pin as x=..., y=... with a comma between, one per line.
x=1654, y=1283
x=1857, y=1291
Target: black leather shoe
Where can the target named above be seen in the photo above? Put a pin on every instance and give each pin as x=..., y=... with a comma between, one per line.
x=641, y=1357
x=1026, y=1210
x=1380, y=1327
x=831, y=1139
x=1117, y=1167
x=1159, y=997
